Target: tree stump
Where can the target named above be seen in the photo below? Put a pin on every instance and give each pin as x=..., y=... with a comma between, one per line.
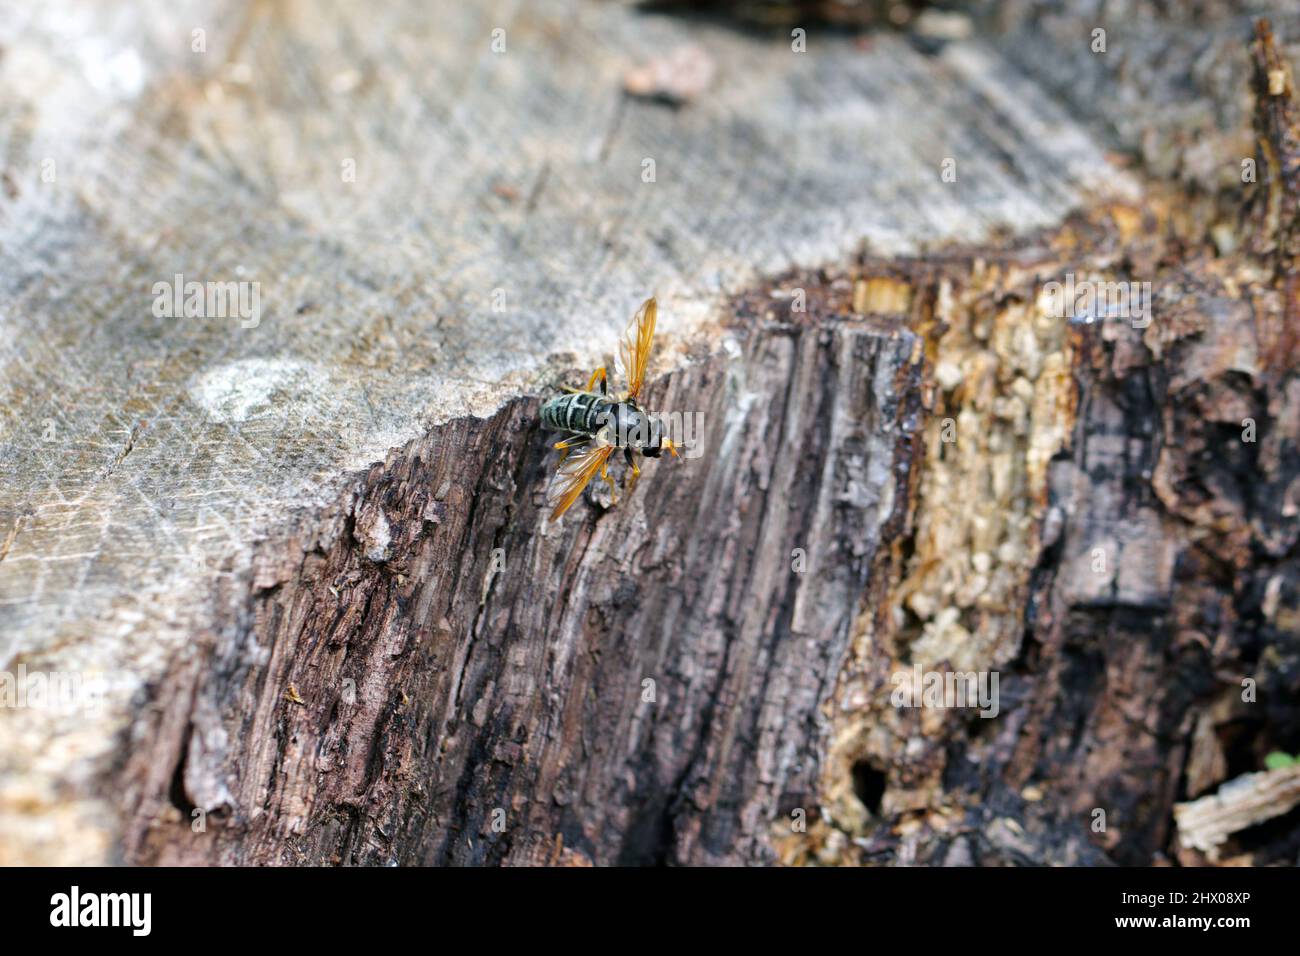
x=291, y=553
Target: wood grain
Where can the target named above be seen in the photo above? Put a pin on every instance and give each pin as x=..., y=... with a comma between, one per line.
x=148, y=465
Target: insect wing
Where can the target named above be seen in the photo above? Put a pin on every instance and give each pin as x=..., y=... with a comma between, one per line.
x=573, y=475
x=634, y=350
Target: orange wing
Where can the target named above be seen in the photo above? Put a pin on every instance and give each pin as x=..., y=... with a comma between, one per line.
x=634, y=350
x=573, y=475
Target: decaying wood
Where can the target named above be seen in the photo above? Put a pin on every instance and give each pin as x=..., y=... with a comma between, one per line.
x=438, y=228
x=312, y=553
x=654, y=722
x=1124, y=553
x=1246, y=801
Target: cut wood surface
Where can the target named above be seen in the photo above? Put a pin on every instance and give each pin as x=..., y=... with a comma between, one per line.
x=308, y=552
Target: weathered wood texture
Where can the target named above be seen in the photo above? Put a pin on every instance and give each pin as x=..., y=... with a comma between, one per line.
x=499, y=668
x=148, y=461
x=312, y=551
x=1113, y=530
x=1246, y=802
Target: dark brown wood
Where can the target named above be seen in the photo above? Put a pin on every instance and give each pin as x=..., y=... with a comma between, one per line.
x=639, y=685
x=1144, y=621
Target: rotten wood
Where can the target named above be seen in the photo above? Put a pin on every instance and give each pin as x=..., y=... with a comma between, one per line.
x=1244, y=802
x=616, y=681
x=313, y=553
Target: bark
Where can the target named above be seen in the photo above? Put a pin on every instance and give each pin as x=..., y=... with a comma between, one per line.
x=1136, y=595
x=314, y=554
x=620, y=684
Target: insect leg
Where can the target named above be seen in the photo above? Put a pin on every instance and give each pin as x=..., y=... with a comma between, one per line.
x=634, y=474
x=609, y=480
x=598, y=376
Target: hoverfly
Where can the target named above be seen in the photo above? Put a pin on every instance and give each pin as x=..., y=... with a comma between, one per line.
x=599, y=424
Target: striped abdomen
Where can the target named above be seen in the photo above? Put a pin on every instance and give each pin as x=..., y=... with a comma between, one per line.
x=582, y=412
